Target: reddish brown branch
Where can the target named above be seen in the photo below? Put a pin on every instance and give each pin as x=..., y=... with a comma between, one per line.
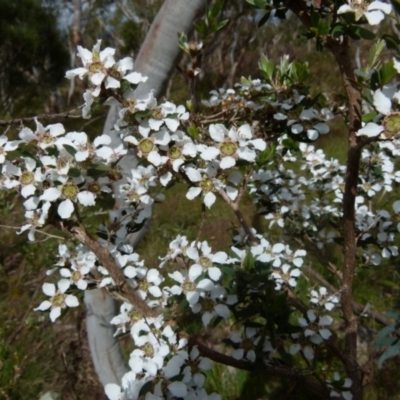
x=340, y=50
x=19, y=121
x=282, y=372
x=125, y=291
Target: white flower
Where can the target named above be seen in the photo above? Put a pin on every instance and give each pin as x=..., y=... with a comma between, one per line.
x=233, y=144
x=70, y=192
x=5, y=146
x=370, y=130
x=58, y=299
x=246, y=345
x=149, y=283
x=374, y=12
x=168, y=114
x=147, y=146
x=176, y=247
x=307, y=350
x=36, y=219
x=188, y=285
x=135, y=77
x=265, y=252
x=96, y=64
x=313, y=129
x=321, y=297
x=314, y=327
x=285, y=275
x=45, y=137
x=113, y=391
x=212, y=305
x=192, y=372
x=29, y=177
x=204, y=263
x=81, y=266
x=206, y=185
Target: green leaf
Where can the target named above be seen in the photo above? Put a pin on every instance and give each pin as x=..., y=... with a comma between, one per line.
x=216, y=9
x=300, y=71
x=307, y=35
x=338, y=30
x=257, y=3
x=386, y=73
x=396, y=5
x=394, y=314
x=70, y=149
x=390, y=352
x=290, y=144
x=221, y=24
x=248, y=262
x=264, y=19
x=266, y=155
x=266, y=66
x=315, y=18
x=375, y=52
x=193, y=132
x=368, y=117
x=102, y=167
x=183, y=40
x=391, y=43
x=74, y=173
x=389, y=284
x=366, y=34
x=95, y=173
x=357, y=33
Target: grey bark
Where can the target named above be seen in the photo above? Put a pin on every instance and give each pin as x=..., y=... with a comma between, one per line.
x=156, y=59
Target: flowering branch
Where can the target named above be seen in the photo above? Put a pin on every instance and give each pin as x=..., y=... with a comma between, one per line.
x=124, y=290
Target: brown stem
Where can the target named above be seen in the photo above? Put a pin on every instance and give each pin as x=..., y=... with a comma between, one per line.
x=239, y=216
x=283, y=372
x=340, y=50
x=16, y=121
x=125, y=291
x=341, y=53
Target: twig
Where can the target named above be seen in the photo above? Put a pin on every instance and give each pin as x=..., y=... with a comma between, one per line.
x=50, y=235
x=340, y=51
x=124, y=290
x=368, y=228
x=244, y=187
x=203, y=219
x=18, y=121
x=378, y=317
x=285, y=372
x=239, y=216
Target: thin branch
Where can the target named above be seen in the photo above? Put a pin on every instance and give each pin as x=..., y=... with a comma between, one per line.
x=50, y=235
x=244, y=187
x=124, y=290
x=378, y=317
x=203, y=219
x=239, y=216
x=340, y=51
x=367, y=229
x=19, y=121
x=284, y=372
